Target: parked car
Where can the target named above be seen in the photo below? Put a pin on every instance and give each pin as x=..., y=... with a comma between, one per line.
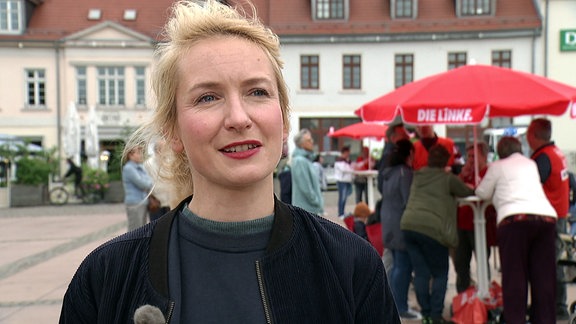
x=329, y=158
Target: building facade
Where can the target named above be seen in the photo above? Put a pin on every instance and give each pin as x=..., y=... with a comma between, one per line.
x=338, y=55
x=559, y=52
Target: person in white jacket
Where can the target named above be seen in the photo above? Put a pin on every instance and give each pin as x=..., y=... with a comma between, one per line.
x=344, y=174
x=526, y=234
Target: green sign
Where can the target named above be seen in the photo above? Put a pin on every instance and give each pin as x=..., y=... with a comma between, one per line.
x=568, y=40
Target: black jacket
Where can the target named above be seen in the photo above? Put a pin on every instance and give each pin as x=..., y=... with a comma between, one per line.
x=314, y=271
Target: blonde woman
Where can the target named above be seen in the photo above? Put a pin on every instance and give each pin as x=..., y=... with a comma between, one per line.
x=230, y=252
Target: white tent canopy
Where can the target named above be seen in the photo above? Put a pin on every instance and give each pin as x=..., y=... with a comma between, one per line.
x=91, y=140
x=72, y=134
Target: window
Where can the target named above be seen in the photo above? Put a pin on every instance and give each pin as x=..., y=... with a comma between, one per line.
x=502, y=58
x=403, y=69
x=111, y=86
x=456, y=60
x=329, y=9
x=319, y=127
x=35, y=88
x=130, y=14
x=94, y=14
x=309, y=72
x=140, y=85
x=403, y=8
x=81, y=85
x=352, y=73
x=475, y=7
x=10, y=16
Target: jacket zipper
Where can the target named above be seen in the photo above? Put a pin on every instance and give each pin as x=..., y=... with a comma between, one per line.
x=263, y=293
x=170, y=311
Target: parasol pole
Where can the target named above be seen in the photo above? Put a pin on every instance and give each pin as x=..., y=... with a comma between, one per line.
x=476, y=171
x=480, y=229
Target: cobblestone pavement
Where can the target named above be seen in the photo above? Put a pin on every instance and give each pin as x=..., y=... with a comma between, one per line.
x=41, y=247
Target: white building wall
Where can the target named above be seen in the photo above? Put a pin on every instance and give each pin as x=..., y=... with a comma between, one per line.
x=378, y=70
x=16, y=118
x=562, y=68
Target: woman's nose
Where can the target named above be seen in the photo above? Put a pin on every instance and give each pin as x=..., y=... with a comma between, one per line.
x=237, y=117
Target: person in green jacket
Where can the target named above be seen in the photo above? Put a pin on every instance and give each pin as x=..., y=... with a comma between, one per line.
x=306, y=191
x=429, y=228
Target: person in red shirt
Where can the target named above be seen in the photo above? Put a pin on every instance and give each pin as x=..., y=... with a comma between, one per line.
x=466, y=242
x=553, y=171
x=426, y=139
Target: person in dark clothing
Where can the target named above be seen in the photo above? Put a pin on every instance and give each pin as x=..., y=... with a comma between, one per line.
x=230, y=252
x=572, y=209
x=394, y=133
x=285, y=177
x=76, y=171
x=397, y=179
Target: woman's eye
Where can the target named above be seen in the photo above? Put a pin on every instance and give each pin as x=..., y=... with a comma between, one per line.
x=259, y=92
x=207, y=98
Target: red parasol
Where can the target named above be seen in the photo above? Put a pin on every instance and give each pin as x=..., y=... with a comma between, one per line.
x=467, y=94
x=360, y=130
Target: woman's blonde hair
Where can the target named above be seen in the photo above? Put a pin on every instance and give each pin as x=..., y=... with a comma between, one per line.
x=191, y=22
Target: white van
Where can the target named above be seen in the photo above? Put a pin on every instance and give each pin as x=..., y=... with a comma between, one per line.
x=493, y=135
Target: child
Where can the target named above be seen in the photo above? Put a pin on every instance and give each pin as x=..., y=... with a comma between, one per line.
x=356, y=222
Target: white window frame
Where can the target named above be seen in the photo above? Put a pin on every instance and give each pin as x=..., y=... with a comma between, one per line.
x=81, y=85
x=394, y=4
x=11, y=16
x=35, y=87
x=111, y=86
x=140, y=85
x=325, y=15
x=478, y=10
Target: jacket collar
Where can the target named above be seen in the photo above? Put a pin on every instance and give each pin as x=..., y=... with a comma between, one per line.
x=159, y=242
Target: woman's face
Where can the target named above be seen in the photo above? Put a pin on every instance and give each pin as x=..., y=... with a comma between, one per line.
x=229, y=120
x=136, y=155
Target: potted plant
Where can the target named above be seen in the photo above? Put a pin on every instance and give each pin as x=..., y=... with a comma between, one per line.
x=96, y=182
x=4, y=178
x=115, y=192
x=32, y=175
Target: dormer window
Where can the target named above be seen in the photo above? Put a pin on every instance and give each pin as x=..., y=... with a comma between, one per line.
x=11, y=17
x=330, y=9
x=130, y=14
x=94, y=14
x=403, y=9
x=474, y=7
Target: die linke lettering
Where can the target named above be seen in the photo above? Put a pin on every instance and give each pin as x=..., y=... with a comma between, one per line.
x=445, y=115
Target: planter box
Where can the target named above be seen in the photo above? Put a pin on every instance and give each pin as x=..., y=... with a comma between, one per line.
x=4, y=202
x=26, y=195
x=115, y=193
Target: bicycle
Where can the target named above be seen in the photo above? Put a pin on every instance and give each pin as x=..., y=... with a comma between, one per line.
x=59, y=194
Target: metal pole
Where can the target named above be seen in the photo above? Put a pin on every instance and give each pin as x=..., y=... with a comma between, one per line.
x=58, y=105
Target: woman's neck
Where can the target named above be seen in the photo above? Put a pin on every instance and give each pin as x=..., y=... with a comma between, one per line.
x=233, y=204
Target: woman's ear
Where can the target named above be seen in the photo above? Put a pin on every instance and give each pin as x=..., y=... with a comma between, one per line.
x=176, y=145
